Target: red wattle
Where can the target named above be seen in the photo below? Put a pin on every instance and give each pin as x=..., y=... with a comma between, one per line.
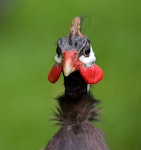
x=54, y=73
x=92, y=74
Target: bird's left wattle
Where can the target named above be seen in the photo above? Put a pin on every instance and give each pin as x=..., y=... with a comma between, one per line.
x=91, y=75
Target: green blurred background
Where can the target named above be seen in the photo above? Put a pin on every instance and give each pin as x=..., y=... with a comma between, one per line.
x=29, y=30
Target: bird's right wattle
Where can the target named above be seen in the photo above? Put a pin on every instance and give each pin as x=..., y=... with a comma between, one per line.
x=54, y=73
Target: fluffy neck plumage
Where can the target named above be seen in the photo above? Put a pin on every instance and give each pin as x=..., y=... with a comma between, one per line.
x=77, y=104
x=76, y=110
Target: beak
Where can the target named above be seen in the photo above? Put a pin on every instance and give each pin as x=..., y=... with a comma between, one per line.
x=70, y=62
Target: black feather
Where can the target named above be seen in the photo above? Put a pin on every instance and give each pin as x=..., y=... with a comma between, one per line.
x=76, y=111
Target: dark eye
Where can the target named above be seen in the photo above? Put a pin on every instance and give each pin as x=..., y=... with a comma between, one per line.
x=86, y=51
x=58, y=51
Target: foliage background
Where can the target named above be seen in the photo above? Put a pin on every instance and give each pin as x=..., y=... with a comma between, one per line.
x=29, y=30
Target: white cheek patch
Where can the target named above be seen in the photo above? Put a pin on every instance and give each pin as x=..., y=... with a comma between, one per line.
x=58, y=59
x=88, y=61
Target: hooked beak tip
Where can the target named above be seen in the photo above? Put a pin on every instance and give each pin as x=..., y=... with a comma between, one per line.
x=68, y=71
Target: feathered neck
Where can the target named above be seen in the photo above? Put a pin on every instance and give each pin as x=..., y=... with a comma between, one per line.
x=77, y=105
x=75, y=86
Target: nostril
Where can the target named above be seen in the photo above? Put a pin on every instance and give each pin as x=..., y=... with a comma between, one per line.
x=75, y=56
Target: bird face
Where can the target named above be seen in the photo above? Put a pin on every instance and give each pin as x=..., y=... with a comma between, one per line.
x=75, y=53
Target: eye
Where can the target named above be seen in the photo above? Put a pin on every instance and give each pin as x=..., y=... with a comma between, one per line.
x=58, y=51
x=86, y=51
